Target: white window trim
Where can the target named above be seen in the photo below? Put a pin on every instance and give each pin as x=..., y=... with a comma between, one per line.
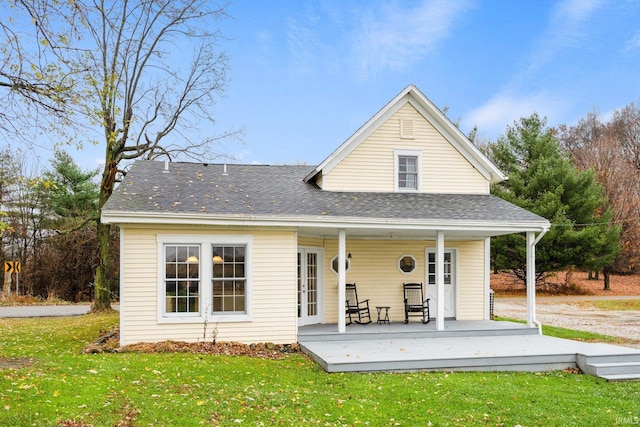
x=412, y=153
x=415, y=264
x=206, y=276
x=331, y=265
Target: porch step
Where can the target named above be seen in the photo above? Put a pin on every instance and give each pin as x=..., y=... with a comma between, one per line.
x=396, y=334
x=619, y=367
x=534, y=363
x=621, y=377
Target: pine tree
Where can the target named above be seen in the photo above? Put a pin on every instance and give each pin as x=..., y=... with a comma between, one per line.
x=543, y=179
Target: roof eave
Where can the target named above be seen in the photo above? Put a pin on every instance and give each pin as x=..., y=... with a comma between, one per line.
x=510, y=226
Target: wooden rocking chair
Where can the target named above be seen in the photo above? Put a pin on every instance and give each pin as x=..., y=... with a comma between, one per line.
x=414, y=302
x=356, y=308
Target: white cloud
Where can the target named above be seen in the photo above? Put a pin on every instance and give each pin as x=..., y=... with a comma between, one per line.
x=394, y=38
x=303, y=43
x=503, y=109
x=634, y=42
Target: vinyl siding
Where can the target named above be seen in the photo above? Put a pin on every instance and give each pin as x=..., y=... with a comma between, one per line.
x=273, y=289
x=374, y=269
x=371, y=166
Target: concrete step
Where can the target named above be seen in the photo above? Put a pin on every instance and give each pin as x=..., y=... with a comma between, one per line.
x=621, y=377
x=617, y=367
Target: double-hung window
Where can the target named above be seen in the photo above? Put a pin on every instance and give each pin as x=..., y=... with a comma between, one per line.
x=407, y=170
x=229, y=279
x=204, y=277
x=182, y=278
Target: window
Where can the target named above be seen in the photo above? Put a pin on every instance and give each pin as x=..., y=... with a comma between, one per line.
x=204, y=278
x=407, y=164
x=432, y=268
x=407, y=173
x=182, y=278
x=229, y=279
x=407, y=264
x=334, y=264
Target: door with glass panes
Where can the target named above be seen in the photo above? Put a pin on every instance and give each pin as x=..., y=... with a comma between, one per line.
x=310, y=280
x=449, y=283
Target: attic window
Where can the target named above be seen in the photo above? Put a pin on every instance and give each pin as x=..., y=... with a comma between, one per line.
x=407, y=170
x=407, y=130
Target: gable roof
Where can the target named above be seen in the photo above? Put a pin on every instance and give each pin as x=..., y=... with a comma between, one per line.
x=262, y=195
x=412, y=95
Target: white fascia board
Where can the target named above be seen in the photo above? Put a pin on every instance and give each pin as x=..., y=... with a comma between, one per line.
x=455, y=136
x=428, y=110
x=323, y=222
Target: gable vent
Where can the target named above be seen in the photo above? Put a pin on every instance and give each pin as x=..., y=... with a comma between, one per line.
x=407, y=129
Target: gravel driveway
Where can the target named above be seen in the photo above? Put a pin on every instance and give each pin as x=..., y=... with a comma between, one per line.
x=565, y=313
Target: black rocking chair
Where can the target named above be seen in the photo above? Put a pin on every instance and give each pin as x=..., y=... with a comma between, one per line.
x=355, y=308
x=414, y=302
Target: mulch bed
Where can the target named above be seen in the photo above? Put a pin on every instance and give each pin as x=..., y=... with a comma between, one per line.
x=108, y=342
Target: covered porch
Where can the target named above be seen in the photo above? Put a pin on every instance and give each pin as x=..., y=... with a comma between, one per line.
x=461, y=346
x=452, y=262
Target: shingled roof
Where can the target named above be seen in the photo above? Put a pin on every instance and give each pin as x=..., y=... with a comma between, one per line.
x=280, y=192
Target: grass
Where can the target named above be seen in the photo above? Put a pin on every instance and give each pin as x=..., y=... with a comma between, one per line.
x=61, y=386
x=618, y=305
x=13, y=300
x=572, y=334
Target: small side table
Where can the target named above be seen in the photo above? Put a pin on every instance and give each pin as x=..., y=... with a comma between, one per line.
x=383, y=317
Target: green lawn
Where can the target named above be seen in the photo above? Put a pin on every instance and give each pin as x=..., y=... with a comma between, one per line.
x=622, y=304
x=61, y=384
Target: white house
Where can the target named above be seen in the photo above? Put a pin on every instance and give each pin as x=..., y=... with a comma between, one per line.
x=261, y=250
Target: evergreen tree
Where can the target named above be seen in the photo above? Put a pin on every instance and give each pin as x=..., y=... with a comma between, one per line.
x=543, y=179
x=72, y=195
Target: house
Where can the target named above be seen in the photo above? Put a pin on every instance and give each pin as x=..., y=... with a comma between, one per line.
x=257, y=251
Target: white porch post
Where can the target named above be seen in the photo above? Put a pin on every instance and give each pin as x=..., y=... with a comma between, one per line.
x=342, y=279
x=531, y=279
x=440, y=280
x=487, y=278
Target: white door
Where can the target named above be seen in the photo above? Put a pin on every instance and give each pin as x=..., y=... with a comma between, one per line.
x=449, y=284
x=310, y=281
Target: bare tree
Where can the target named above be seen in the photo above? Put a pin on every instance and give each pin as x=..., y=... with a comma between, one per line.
x=143, y=70
x=626, y=123
x=36, y=89
x=602, y=146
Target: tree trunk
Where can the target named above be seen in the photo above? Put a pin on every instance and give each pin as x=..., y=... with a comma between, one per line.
x=102, y=285
x=102, y=282
x=607, y=279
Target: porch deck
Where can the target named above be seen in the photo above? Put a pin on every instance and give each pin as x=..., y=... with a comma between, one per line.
x=462, y=346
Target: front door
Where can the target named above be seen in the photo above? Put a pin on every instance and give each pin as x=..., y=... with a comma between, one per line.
x=310, y=280
x=449, y=283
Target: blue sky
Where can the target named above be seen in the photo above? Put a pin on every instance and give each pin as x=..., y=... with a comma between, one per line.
x=304, y=75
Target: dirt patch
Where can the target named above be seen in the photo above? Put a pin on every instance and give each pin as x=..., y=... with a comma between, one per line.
x=108, y=342
x=564, y=283
x=259, y=350
x=14, y=362
x=623, y=324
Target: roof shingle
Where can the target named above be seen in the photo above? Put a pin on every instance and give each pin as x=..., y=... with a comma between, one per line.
x=279, y=191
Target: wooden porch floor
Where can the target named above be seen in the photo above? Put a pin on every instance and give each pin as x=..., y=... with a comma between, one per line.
x=462, y=346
